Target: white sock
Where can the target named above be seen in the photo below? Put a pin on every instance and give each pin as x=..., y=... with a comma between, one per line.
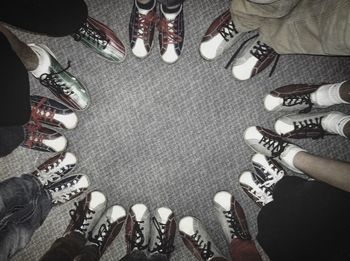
x=327, y=95
x=44, y=61
x=334, y=122
x=288, y=156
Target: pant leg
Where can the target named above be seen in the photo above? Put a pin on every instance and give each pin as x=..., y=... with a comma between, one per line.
x=88, y=253
x=65, y=248
x=51, y=17
x=319, y=27
x=244, y=250
x=10, y=139
x=171, y=2
x=135, y=256
x=27, y=208
x=14, y=98
x=248, y=15
x=309, y=222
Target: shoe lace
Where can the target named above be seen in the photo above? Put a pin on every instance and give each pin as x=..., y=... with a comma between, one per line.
x=261, y=194
x=272, y=178
x=275, y=145
x=52, y=80
x=260, y=51
x=294, y=99
x=164, y=245
x=96, y=36
x=228, y=31
x=203, y=247
x=102, y=233
x=168, y=28
x=33, y=135
x=235, y=227
x=40, y=111
x=309, y=125
x=143, y=25
x=137, y=240
x=46, y=175
x=80, y=217
x=64, y=192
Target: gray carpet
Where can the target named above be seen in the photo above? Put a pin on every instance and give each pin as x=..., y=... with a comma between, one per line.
x=168, y=135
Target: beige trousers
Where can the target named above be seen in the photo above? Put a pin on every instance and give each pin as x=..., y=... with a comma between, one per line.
x=320, y=27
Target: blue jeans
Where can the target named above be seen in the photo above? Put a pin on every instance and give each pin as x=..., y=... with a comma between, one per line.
x=24, y=205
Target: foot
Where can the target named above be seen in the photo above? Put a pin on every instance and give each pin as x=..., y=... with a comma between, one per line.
x=220, y=36
x=198, y=241
x=44, y=139
x=253, y=59
x=315, y=126
x=163, y=228
x=87, y=213
x=270, y=144
x=231, y=217
x=52, y=113
x=101, y=39
x=267, y=171
x=107, y=228
x=255, y=188
x=68, y=188
x=55, y=168
x=58, y=80
x=137, y=228
x=295, y=97
x=141, y=29
x=171, y=34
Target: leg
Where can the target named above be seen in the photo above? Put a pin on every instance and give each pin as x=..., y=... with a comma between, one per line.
x=332, y=172
x=88, y=253
x=250, y=15
x=15, y=86
x=27, y=211
x=10, y=139
x=308, y=220
x=65, y=248
x=54, y=18
x=135, y=255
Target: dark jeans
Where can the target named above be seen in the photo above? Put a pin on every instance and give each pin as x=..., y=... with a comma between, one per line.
x=308, y=220
x=10, y=138
x=141, y=256
x=51, y=17
x=24, y=205
x=71, y=248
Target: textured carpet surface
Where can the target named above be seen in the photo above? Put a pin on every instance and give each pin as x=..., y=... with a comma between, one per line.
x=168, y=135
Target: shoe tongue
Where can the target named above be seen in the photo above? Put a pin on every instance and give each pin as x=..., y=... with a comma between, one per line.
x=171, y=16
x=143, y=11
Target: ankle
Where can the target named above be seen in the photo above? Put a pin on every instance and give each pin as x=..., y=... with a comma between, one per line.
x=337, y=123
x=327, y=95
x=344, y=91
x=289, y=154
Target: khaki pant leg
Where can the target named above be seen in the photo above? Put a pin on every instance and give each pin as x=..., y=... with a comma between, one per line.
x=249, y=16
x=320, y=27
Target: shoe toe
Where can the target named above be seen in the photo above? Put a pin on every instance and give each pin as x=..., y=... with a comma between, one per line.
x=186, y=225
x=283, y=126
x=164, y=213
x=139, y=49
x=170, y=55
x=243, y=70
x=223, y=199
x=140, y=211
x=210, y=49
x=57, y=144
x=116, y=212
x=272, y=103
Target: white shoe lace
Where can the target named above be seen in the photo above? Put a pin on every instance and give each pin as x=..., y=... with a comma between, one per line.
x=65, y=192
x=261, y=194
